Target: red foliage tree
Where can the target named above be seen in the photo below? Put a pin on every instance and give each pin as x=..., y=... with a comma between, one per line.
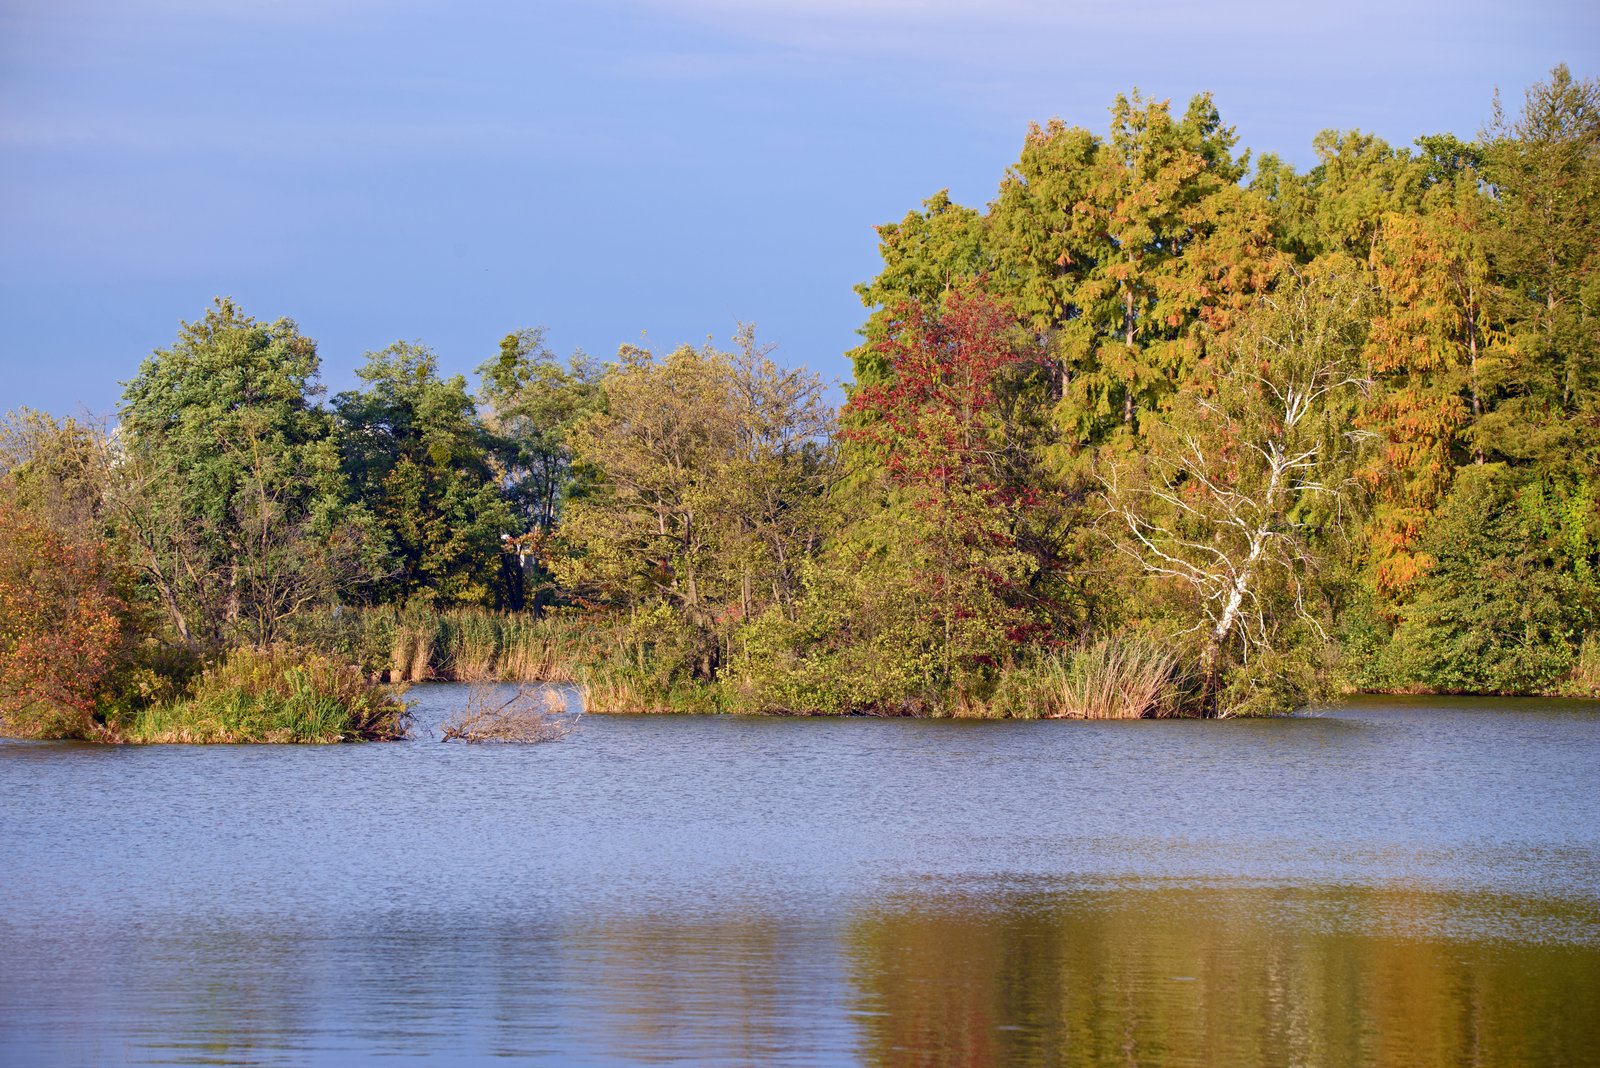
x=943, y=427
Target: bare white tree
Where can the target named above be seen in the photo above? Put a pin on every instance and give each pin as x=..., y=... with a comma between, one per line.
x=1248, y=467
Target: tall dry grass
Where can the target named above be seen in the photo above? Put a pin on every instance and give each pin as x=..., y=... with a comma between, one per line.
x=1117, y=677
x=1121, y=676
x=420, y=644
x=614, y=691
x=611, y=688
x=474, y=645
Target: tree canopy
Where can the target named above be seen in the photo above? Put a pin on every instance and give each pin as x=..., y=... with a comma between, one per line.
x=1160, y=406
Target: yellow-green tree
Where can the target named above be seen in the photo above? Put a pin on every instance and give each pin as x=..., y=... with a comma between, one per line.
x=705, y=470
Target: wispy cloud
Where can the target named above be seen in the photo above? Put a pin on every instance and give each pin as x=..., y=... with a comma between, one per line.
x=947, y=14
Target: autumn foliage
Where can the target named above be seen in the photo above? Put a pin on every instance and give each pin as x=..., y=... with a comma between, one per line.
x=1163, y=410
x=60, y=627
x=943, y=425
x=935, y=419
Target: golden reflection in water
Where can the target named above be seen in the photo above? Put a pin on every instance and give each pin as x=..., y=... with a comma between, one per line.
x=730, y=991
x=1227, y=976
x=1143, y=974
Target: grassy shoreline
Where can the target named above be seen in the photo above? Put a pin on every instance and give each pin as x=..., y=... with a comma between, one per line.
x=274, y=695
x=270, y=695
x=1115, y=677
x=341, y=678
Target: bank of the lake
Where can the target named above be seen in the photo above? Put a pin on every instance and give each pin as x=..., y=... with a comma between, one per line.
x=1397, y=881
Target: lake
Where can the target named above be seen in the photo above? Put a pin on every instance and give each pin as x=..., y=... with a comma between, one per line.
x=1396, y=881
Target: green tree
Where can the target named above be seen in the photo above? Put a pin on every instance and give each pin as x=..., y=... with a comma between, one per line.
x=782, y=467
x=924, y=256
x=1511, y=587
x=418, y=459
x=1544, y=169
x=1150, y=198
x=1358, y=181
x=706, y=469
x=1047, y=247
x=57, y=469
x=228, y=492
x=533, y=401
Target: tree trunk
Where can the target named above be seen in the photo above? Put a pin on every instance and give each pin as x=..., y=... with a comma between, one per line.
x=1477, y=403
x=1127, y=326
x=1210, y=683
x=170, y=601
x=1211, y=657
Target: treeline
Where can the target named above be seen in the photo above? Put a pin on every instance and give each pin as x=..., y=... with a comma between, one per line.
x=1162, y=429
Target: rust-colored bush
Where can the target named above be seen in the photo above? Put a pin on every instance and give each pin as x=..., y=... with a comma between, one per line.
x=60, y=627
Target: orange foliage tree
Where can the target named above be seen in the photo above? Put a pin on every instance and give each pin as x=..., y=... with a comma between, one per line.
x=60, y=627
x=1430, y=345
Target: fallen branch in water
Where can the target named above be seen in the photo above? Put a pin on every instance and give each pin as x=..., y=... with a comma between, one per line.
x=526, y=716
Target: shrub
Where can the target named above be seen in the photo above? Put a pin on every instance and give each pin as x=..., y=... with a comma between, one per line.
x=1501, y=610
x=276, y=694
x=1274, y=682
x=61, y=627
x=1584, y=678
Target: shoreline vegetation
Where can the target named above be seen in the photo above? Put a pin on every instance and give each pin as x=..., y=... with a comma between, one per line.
x=1164, y=429
x=277, y=694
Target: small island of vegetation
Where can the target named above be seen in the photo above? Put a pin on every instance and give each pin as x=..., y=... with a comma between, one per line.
x=1163, y=430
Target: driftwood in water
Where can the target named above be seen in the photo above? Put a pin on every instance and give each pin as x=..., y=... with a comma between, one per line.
x=525, y=716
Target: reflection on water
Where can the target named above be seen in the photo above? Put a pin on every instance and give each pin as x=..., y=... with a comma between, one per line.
x=1385, y=885
x=1222, y=976
x=1138, y=975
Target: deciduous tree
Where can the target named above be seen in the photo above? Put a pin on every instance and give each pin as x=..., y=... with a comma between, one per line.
x=228, y=490
x=1249, y=469
x=417, y=457
x=957, y=463
x=706, y=469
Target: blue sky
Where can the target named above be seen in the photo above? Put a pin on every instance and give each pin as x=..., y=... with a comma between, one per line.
x=617, y=169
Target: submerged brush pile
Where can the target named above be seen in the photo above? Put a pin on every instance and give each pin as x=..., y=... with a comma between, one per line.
x=524, y=715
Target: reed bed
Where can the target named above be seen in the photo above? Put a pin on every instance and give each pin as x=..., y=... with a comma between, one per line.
x=458, y=644
x=1120, y=676
x=614, y=689
x=466, y=645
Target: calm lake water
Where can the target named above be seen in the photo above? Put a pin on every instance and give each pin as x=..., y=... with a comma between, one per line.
x=1406, y=882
